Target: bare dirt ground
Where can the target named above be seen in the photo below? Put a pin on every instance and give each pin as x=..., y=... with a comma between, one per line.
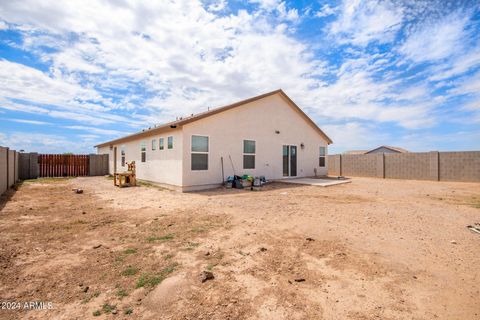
x=372, y=249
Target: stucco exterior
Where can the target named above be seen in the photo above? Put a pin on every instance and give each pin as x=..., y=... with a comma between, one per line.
x=271, y=122
x=161, y=166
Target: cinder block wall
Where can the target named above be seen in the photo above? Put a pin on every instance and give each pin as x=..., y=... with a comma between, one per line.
x=8, y=168
x=443, y=166
x=459, y=166
x=98, y=164
x=3, y=170
x=363, y=165
x=333, y=165
x=407, y=166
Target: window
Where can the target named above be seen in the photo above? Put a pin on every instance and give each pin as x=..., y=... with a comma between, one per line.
x=199, y=153
x=143, y=148
x=154, y=144
x=160, y=144
x=248, y=154
x=170, y=142
x=122, y=153
x=321, y=159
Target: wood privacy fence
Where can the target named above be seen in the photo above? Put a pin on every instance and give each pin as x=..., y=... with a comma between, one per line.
x=436, y=166
x=16, y=166
x=63, y=165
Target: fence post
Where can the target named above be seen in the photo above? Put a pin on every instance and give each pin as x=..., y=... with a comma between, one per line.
x=340, y=165
x=380, y=165
x=434, y=165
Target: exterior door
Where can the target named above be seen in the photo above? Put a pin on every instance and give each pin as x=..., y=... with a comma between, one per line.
x=289, y=154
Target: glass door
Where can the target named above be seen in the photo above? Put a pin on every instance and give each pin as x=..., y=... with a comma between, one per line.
x=293, y=161
x=289, y=154
x=286, y=156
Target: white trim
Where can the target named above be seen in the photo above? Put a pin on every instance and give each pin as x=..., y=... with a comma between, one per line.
x=200, y=152
x=249, y=154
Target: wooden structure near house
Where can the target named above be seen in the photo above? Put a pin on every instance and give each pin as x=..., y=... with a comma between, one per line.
x=125, y=179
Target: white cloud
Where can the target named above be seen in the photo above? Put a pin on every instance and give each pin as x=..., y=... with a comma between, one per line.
x=98, y=130
x=217, y=5
x=29, y=121
x=361, y=22
x=325, y=11
x=172, y=59
x=436, y=40
x=47, y=143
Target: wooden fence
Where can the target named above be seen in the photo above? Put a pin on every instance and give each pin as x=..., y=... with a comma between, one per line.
x=63, y=165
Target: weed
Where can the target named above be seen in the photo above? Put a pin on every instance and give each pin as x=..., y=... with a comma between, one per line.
x=163, y=238
x=130, y=251
x=128, y=311
x=47, y=180
x=150, y=185
x=97, y=313
x=199, y=229
x=151, y=280
x=168, y=257
x=130, y=271
x=210, y=267
x=193, y=244
x=108, y=308
x=122, y=293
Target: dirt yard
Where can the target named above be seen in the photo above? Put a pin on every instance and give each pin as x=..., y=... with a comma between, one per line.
x=371, y=249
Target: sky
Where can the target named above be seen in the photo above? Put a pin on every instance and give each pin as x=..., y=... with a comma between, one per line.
x=77, y=73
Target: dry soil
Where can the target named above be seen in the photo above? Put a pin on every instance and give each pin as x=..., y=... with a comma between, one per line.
x=371, y=249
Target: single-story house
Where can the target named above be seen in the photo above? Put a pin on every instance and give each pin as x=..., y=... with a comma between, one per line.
x=381, y=149
x=267, y=135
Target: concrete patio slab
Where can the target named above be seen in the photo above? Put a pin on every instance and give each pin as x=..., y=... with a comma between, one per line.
x=314, y=181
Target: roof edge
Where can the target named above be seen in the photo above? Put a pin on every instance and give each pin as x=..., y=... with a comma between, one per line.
x=198, y=116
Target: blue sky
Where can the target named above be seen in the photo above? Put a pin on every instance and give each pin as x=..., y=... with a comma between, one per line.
x=403, y=73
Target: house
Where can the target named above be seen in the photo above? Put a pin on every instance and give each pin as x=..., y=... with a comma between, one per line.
x=381, y=149
x=267, y=135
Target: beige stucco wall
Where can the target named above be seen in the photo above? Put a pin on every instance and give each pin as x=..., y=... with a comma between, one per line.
x=162, y=166
x=257, y=121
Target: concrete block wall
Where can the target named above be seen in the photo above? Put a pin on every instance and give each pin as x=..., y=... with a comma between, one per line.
x=98, y=164
x=363, y=165
x=28, y=165
x=407, y=166
x=459, y=166
x=8, y=168
x=334, y=165
x=434, y=165
x=3, y=170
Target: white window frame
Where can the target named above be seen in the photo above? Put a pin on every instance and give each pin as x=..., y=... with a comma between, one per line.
x=154, y=144
x=324, y=156
x=199, y=152
x=143, y=150
x=161, y=143
x=249, y=154
x=122, y=155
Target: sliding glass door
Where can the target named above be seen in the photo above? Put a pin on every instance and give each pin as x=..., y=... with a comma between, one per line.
x=289, y=154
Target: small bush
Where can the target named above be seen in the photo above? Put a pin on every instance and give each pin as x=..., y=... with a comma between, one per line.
x=130, y=271
x=108, y=308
